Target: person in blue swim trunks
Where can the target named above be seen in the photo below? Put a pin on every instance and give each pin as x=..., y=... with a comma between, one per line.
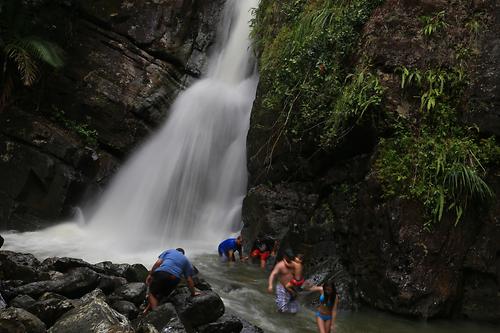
x=227, y=248
x=327, y=308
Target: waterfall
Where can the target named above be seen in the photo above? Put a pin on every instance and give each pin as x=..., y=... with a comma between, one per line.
x=188, y=181
x=185, y=185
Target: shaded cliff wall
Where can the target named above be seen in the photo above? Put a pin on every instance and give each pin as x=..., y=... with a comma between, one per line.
x=331, y=204
x=61, y=140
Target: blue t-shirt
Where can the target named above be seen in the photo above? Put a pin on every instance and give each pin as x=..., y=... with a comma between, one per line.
x=228, y=244
x=175, y=263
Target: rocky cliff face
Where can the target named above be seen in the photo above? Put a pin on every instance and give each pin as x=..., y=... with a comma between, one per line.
x=331, y=205
x=125, y=63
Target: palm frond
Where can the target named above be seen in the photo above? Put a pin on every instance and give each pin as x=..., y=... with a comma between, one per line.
x=46, y=51
x=26, y=64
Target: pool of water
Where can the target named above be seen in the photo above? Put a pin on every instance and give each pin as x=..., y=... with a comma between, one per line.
x=242, y=286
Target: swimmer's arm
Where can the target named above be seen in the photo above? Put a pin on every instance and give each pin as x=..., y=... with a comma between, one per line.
x=190, y=284
x=316, y=288
x=272, y=277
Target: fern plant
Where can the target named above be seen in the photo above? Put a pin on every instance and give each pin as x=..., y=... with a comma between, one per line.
x=22, y=54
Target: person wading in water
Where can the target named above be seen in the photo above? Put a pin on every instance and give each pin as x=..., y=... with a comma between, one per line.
x=327, y=309
x=284, y=271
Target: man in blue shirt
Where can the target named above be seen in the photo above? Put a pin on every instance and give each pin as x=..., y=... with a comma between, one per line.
x=228, y=247
x=166, y=275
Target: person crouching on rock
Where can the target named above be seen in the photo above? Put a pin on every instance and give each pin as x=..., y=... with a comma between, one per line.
x=165, y=276
x=227, y=248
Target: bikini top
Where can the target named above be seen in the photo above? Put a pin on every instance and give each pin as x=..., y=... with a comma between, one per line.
x=322, y=301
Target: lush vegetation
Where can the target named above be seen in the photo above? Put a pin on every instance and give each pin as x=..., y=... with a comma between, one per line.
x=432, y=156
x=318, y=94
x=306, y=75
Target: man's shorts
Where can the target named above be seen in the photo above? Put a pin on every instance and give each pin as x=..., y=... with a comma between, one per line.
x=263, y=255
x=163, y=284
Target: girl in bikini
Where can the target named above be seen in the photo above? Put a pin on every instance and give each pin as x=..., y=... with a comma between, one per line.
x=327, y=309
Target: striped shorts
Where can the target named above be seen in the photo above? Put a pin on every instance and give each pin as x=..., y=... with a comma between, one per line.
x=283, y=301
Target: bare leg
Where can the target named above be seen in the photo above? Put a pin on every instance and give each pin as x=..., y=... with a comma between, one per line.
x=153, y=302
x=262, y=263
x=321, y=325
x=328, y=326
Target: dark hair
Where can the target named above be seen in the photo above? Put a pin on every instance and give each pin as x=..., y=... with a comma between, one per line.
x=288, y=254
x=329, y=297
x=181, y=250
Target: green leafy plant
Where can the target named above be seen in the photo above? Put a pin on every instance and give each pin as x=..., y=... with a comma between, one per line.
x=21, y=53
x=434, y=23
x=90, y=136
x=304, y=68
x=436, y=160
x=361, y=92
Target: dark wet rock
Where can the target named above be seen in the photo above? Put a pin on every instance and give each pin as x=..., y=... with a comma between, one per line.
x=164, y=317
x=75, y=283
x=50, y=308
x=92, y=316
x=274, y=210
x=19, y=320
x=63, y=264
x=109, y=268
x=108, y=283
x=93, y=295
x=250, y=328
x=132, y=292
x=22, y=302
x=225, y=324
x=136, y=273
x=18, y=266
x=201, y=283
x=126, y=308
x=146, y=328
x=198, y=310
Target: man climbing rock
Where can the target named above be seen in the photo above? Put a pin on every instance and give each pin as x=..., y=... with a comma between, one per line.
x=166, y=274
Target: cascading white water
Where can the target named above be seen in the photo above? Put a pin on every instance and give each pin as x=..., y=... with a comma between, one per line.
x=187, y=182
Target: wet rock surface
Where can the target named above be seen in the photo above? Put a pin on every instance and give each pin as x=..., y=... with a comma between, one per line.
x=70, y=300
x=345, y=225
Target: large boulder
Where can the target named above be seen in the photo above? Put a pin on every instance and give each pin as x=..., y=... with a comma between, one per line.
x=20, y=321
x=132, y=292
x=18, y=266
x=50, y=307
x=22, y=301
x=225, y=324
x=162, y=318
x=126, y=308
x=198, y=310
x=94, y=315
x=75, y=283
